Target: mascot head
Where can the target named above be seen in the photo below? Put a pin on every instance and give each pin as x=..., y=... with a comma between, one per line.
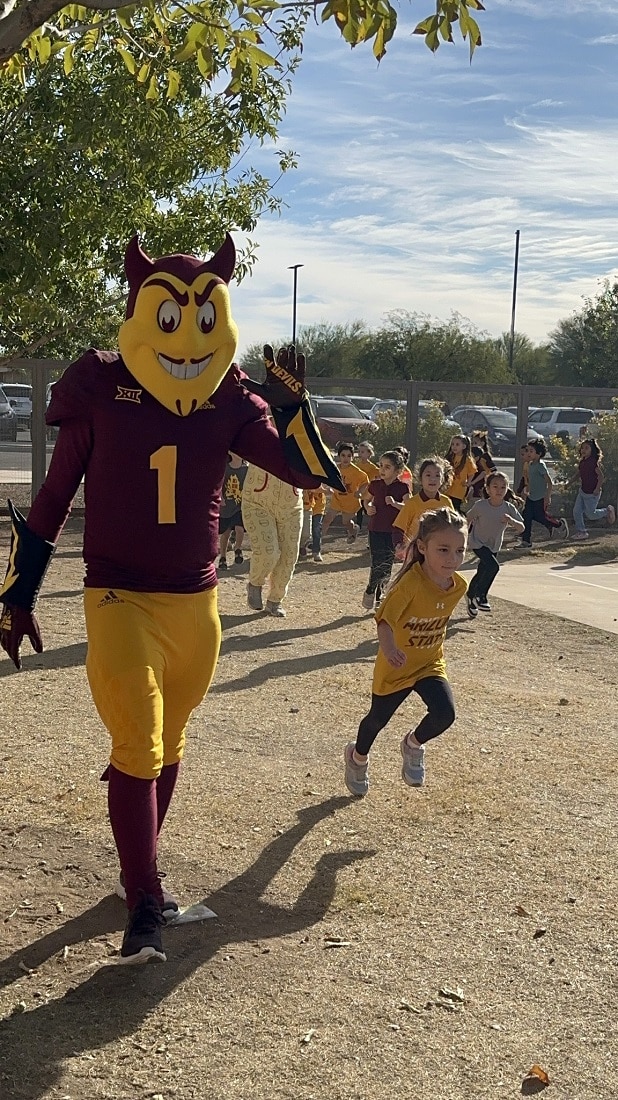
x=179, y=338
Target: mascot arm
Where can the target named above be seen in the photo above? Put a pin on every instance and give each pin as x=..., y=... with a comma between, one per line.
x=33, y=542
x=259, y=443
x=284, y=390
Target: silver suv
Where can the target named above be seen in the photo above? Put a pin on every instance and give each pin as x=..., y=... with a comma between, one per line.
x=8, y=419
x=560, y=420
x=20, y=398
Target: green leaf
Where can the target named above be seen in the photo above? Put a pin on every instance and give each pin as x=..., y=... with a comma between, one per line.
x=153, y=90
x=68, y=59
x=128, y=59
x=261, y=58
x=142, y=75
x=173, y=84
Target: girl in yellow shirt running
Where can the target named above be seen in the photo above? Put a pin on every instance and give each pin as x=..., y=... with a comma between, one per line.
x=464, y=470
x=412, y=624
x=432, y=474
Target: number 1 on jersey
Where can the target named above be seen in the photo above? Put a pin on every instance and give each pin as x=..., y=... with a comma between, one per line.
x=164, y=462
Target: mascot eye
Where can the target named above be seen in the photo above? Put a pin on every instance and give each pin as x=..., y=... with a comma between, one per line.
x=206, y=317
x=169, y=316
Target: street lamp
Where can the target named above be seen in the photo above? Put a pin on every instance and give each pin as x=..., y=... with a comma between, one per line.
x=294, y=268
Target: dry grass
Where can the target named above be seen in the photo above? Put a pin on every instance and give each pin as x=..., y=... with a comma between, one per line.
x=497, y=878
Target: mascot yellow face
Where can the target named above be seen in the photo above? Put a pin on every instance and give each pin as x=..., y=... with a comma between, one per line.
x=179, y=338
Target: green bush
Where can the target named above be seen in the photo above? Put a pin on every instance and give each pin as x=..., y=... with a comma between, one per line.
x=564, y=458
x=433, y=435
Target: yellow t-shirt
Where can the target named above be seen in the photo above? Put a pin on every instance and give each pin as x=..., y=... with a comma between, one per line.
x=457, y=487
x=353, y=479
x=409, y=517
x=417, y=611
x=368, y=468
x=314, y=501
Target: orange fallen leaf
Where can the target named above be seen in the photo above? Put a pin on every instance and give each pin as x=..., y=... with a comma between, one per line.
x=537, y=1073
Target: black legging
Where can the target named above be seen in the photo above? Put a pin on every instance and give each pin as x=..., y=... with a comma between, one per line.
x=382, y=557
x=534, y=510
x=486, y=573
x=438, y=698
x=457, y=504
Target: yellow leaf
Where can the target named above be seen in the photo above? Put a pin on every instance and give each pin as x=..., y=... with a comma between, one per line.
x=173, y=83
x=142, y=75
x=537, y=1073
x=153, y=92
x=68, y=60
x=128, y=59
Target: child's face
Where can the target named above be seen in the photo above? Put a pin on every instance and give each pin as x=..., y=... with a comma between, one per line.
x=496, y=490
x=531, y=453
x=431, y=480
x=457, y=445
x=524, y=451
x=585, y=450
x=444, y=552
x=345, y=457
x=364, y=453
x=388, y=472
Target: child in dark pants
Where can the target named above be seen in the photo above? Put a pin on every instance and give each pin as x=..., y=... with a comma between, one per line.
x=539, y=495
x=412, y=624
x=380, y=498
x=487, y=522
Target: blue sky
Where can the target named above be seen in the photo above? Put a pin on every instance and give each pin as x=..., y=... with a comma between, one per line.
x=415, y=174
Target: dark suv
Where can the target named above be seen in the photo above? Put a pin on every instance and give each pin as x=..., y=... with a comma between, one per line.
x=500, y=425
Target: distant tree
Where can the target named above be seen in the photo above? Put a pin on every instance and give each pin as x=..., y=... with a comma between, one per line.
x=331, y=350
x=584, y=347
x=414, y=346
x=532, y=364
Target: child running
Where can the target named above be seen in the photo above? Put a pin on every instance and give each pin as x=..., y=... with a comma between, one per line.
x=539, y=495
x=433, y=473
x=314, y=504
x=487, y=522
x=346, y=504
x=365, y=462
x=590, y=473
x=464, y=470
x=380, y=498
x=484, y=462
x=230, y=515
x=412, y=624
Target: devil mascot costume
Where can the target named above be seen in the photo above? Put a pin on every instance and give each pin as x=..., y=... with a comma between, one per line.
x=150, y=429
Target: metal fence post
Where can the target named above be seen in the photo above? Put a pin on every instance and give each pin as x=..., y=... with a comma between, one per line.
x=412, y=396
x=40, y=372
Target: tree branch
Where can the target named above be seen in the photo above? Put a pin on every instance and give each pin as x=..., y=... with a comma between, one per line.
x=28, y=351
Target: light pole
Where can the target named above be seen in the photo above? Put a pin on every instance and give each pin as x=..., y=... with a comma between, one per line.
x=512, y=333
x=294, y=268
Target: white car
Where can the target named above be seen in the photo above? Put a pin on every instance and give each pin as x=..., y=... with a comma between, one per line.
x=560, y=420
x=20, y=398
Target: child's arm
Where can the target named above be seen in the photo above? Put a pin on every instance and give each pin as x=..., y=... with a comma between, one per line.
x=395, y=657
x=600, y=479
x=398, y=504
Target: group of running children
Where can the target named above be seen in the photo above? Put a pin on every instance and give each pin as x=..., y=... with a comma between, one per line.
x=428, y=533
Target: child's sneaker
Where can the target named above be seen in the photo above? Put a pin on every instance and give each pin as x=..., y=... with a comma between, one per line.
x=238, y=558
x=580, y=536
x=611, y=515
x=369, y=599
x=222, y=563
x=353, y=534
x=356, y=775
x=141, y=942
x=170, y=908
x=254, y=597
x=483, y=603
x=472, y=608
x=413, y=770
x=273, y=607
x=318, y=557
x=564, y=529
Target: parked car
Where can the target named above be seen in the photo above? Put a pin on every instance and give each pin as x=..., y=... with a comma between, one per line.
x=338, y=418
x=8, y=419
x=561, y=421
x=364, y=404
x=500, y=425
x=391, y=405
x=20, y=399
x=513, y=409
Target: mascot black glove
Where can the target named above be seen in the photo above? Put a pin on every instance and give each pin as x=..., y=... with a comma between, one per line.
x=284, y=390
x=28, y=560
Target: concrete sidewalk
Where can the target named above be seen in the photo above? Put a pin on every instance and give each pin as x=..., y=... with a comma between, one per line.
x=584, y=593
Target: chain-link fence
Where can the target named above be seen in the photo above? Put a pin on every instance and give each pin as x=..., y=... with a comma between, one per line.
x=26, y=448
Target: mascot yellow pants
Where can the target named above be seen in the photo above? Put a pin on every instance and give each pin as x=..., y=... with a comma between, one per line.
x=151, y=659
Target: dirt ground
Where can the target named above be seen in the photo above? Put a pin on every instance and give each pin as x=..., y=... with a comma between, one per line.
x=342, y=924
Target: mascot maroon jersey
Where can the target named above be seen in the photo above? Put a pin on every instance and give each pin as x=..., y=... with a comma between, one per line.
x=152, y=479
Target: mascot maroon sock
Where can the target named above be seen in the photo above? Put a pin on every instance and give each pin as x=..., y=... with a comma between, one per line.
x=165, y=789
x=132, y=806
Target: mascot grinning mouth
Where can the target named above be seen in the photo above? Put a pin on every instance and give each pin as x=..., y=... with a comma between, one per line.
x=183, y=370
